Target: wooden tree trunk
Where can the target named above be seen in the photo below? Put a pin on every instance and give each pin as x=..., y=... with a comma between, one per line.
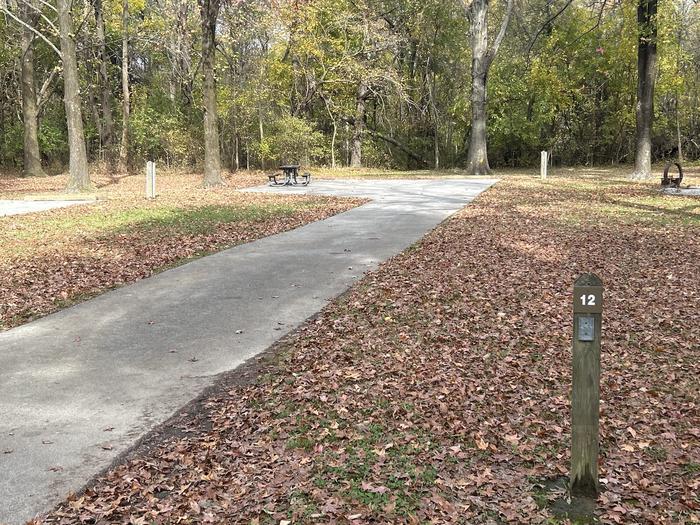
x=646, y=71
x=679, y=138
x=179, y=48
x=78, y=176
x=261, y=136
x=123, y=166
x=107, y=135
x=482, y=58
x=333, y=137
x=209, y=10
x=93, y=106
x=477, y=156
x=30, y=109
x=358, y=127
x=237, y=156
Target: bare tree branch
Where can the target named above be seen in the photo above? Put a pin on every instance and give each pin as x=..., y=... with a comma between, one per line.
x=501, y=33
x=21, y=22
x=408, y=151
x=544, y=26
x=594, y=26
x=49, y=5
x=45, y=92
x=42, y=15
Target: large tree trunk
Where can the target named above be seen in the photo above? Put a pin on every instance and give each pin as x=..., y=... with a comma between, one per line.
x=482, y=58
x=209, y=10
x=78, y=177
x=679, y=138
x=646, y=77
x=123, y=166
x=477, y=156
x=30, y=109
x=107, y=135
x=358, y=127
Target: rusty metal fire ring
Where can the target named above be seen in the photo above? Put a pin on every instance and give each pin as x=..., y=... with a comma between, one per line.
x=671, y=181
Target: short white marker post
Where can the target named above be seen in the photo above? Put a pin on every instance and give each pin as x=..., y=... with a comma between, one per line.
x=543, y=164
x=150, y=180
x=585, y=391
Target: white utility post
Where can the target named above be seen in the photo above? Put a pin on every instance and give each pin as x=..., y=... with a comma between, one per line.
x=543, y=164
x=150, y=180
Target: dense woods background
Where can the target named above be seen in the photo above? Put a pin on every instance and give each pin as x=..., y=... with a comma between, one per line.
x=339, y=82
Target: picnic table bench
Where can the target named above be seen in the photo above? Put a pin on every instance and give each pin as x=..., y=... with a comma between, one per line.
x=291, y=176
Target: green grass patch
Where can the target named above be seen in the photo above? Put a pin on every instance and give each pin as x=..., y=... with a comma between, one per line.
x=691, y=468
x=587, y=201
x=652, y=210
x=161, y=219
x=376, y=470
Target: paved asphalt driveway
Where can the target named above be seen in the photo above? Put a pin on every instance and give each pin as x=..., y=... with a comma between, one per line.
x=20, y=207
x=128, y=359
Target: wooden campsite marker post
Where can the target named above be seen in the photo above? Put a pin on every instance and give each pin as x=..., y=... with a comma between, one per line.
x=585, y=394
x=150, y=180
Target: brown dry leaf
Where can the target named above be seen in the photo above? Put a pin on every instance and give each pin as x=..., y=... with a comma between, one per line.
x=481, y=444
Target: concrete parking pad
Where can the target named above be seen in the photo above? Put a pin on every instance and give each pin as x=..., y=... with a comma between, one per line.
x=11, y=207
x=80, y=386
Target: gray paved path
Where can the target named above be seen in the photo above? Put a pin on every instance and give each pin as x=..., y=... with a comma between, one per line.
x=8, y=207
x=124, y=360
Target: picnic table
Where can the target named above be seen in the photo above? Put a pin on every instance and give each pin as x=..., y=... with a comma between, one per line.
x=290, y=172
x=291, y=175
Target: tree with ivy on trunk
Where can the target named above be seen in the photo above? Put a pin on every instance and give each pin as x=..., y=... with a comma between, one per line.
x=482, y=58
x=646, y=78
x=209, y=10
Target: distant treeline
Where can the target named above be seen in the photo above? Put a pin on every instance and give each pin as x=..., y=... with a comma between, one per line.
x=336, y=82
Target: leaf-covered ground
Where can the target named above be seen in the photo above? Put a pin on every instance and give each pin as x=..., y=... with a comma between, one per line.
x=55, y=258
x=437, y=390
